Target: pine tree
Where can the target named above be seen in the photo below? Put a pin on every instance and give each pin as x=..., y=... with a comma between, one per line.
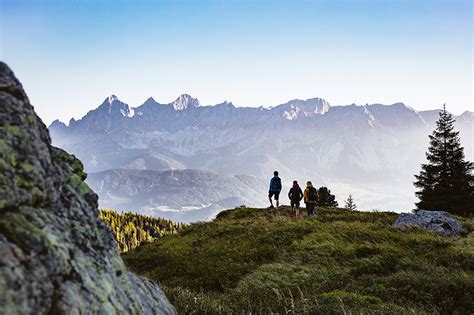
x=325, y=199
x=130, y=229
x=350, y=204
x=446, y=182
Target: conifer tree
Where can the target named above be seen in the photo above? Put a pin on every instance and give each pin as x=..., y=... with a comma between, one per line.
x=130, y=229
x=446, y=181
x=350, y=204
x=325, y=199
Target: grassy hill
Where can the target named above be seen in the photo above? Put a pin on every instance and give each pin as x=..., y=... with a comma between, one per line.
x=263, y=261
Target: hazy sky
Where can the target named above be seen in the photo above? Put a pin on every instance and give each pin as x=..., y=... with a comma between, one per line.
x=70, y=55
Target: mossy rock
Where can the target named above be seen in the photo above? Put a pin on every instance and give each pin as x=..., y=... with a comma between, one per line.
x=57, y=257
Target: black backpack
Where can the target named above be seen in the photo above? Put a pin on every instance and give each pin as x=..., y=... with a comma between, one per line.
x=312, y=194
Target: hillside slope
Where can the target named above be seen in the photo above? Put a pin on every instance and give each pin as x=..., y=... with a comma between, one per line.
x=131, y=229
x=262, y=261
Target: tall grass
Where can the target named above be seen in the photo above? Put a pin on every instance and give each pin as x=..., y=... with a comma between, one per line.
x=341, y=262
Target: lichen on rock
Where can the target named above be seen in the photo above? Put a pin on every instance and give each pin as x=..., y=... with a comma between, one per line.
x=56, y=256
x=439, y=222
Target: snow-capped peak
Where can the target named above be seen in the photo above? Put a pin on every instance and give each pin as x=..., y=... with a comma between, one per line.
x=307, y=108
x=113, y=105
x=185, y=101
x=112, y=98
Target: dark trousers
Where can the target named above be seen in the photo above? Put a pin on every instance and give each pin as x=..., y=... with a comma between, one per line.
x=310, y=209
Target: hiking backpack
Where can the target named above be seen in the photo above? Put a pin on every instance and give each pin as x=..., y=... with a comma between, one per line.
x=276, y=184
x=312, y=194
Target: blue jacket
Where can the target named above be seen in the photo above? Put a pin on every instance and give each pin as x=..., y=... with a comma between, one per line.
x=275, y=184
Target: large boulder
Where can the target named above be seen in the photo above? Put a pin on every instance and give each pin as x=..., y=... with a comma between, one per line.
x=56, y=256
x=439, y=222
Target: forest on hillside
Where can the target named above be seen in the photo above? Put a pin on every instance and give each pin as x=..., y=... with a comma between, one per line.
x=131, y=229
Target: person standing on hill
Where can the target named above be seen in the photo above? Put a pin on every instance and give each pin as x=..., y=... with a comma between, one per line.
x=295, y=195
x=275, y=188
x=310, y=198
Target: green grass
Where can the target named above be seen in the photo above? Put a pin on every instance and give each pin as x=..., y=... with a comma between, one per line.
x=263, y=261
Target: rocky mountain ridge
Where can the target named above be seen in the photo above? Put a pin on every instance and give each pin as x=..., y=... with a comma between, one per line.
x=293, y=109
x=371, y=151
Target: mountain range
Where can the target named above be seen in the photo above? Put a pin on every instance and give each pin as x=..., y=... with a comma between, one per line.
x=223, y=155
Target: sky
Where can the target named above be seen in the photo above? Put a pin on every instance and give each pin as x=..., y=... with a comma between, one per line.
x=70, y=55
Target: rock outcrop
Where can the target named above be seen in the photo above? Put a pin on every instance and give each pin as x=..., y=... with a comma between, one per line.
x=56, y=256
x=439, y=222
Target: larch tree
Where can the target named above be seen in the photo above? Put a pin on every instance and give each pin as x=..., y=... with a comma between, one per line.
x=350, y=204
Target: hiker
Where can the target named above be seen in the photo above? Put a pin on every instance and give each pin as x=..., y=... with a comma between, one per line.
x=295, y=195
x=275, y=188
x=310, y=198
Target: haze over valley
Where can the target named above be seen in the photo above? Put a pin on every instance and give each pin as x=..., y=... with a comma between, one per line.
x=186, y=161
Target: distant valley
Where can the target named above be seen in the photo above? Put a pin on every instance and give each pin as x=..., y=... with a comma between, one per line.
x=186, y=162
x=180, y=195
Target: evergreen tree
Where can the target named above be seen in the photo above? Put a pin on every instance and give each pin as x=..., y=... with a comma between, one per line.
x=325, y=199
x=130, y=229
x=350, y=204
x=446, y=182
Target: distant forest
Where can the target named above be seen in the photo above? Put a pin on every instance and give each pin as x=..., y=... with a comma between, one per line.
x=131, y=229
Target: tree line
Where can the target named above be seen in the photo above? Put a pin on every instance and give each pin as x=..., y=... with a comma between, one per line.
x=131, y=229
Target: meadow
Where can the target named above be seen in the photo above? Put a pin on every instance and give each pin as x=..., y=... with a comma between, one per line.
x=264, y=261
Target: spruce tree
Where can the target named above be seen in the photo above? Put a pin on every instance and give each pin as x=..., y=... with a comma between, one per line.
x=350, y=204
x=325, y=199
x=446, y=182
